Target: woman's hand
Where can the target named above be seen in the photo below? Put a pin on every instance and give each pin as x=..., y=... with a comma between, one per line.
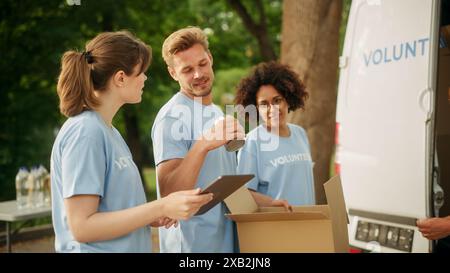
x=263, y=200
x=281, y=203
x=182, y=205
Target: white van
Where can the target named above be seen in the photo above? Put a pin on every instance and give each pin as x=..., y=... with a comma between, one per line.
x=393, y=122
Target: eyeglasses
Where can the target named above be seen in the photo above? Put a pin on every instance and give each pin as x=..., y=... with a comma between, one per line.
x=275, y=102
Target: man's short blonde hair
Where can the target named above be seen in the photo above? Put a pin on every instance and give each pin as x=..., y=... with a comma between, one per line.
x=181, y=40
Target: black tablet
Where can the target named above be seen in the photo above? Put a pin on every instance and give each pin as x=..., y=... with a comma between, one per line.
x=223, y=187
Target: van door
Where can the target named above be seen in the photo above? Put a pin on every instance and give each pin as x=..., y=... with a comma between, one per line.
x=384, y=110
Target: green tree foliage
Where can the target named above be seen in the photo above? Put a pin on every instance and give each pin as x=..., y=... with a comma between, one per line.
x=29, y=65
x=345, y=12
x=225, y=85
x=34, y=35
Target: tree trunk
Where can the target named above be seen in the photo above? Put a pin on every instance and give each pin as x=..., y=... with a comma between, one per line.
x=133, y=139
x=257, y=29
x=265, y=47
x=310, y=45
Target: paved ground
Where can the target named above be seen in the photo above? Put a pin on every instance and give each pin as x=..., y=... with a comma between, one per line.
x=42, y=245
x=46, y=245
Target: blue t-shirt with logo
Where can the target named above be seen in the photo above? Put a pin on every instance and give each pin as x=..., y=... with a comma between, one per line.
x=282, y=166
x=179, y=123
x=88, y=157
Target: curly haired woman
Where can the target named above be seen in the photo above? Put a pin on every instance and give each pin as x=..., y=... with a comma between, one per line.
x=283, y=170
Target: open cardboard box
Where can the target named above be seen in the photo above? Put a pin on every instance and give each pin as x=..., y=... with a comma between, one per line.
x=320, y=228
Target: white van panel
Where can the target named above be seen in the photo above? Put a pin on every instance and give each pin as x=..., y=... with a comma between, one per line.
x=383, y=105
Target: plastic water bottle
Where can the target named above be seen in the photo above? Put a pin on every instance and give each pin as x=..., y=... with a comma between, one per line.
x=21, y=188
x=36, y=194
x=34, y=188
x=30, y=187
x=45, y=176
x=39, y=186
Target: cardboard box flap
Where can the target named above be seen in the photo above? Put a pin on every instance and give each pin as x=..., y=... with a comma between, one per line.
x=335, y=197
x=241, y=202
x=316, y=208
x=325, y=209
x=271, y=209
x=277, y=216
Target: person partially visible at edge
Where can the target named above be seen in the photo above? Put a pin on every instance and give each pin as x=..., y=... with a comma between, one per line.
x=436, y=228
x=187, y=157
x=98, y=200
x=284, y=171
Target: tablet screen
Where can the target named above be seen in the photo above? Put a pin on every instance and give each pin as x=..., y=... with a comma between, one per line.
x=223, y=187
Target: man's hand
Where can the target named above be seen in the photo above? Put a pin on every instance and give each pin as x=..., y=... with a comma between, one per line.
x=434, y=228
x=164, y=222
x=224, y=130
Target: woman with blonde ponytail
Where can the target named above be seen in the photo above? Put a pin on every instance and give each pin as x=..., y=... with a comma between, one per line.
x=98, y=201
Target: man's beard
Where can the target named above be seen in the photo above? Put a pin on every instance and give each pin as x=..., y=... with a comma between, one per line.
x=201, y=92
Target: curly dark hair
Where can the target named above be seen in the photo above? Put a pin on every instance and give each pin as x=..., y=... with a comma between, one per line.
x=281, y=77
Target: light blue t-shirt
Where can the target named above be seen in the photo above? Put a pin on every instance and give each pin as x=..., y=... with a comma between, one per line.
x=179, y=123
x=282, y=166
x=88, y=157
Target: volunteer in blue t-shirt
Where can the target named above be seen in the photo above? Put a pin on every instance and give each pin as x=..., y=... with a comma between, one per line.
x=189, y=134
x=277, y=152
x=98, y=200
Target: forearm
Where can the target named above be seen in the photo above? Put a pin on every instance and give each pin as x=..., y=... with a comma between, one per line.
x=101, y=226
x=184, y=177
x=448, y=224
